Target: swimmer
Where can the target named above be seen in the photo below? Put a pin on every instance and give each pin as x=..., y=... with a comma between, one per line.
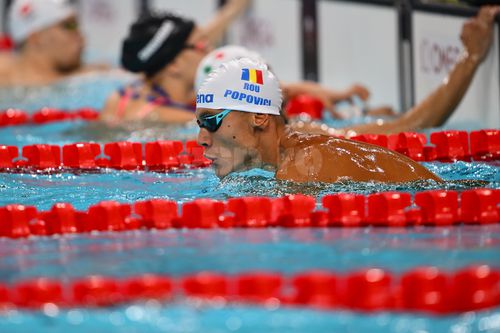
x=48, y=40
x=238, y=111
x=166, y=49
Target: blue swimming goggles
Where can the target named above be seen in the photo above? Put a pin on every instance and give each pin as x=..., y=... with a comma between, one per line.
x=212, y=123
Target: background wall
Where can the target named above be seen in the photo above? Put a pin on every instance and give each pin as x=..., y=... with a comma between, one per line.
x=359, y=43
x=2, y=14
x=104, y=24
x=436, y=48
x=272, y=28
x=200, y=11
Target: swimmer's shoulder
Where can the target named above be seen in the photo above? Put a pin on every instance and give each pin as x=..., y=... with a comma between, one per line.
x=304, y=156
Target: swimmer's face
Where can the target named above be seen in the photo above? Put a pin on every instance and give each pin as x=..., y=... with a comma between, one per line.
x=232, y=146
x=64, y=44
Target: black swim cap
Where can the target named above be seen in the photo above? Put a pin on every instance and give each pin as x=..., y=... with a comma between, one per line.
x=154, y=41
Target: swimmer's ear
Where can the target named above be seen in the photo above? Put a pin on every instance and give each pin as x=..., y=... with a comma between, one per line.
x=260, y=120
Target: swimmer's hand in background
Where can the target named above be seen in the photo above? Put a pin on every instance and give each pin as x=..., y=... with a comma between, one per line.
x=477, y=33
x=358, y=90
x=216, y=28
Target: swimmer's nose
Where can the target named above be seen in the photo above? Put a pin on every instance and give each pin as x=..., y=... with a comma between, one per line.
x=204, y=138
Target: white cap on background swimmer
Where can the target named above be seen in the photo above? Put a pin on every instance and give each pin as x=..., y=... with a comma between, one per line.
x=29, y=16
x=242, y=85
x=219, y=56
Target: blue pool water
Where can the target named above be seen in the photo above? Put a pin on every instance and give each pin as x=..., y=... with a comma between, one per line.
x=83, y=190
x=179, y=252
x=86, y=90
x=176, y=253
x=188, y=318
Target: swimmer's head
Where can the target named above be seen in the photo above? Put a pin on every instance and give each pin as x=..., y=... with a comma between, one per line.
x=219, y=56
x=243, y=85
x=158, y=40
x=237, y=108
x=50, y=27
x=29, y=16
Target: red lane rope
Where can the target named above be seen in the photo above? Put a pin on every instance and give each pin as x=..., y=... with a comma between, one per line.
x=156, y=156
x=16, y=117
x=163, y=155
x=386, y=209
x=449, y=146
x=423, y=289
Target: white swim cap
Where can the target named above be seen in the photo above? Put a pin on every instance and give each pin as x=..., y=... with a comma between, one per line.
x=219, y=56
x=29, y=16
x=242, y=85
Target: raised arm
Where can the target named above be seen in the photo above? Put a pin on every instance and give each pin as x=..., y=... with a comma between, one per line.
x=215, y=29
x=477, y=35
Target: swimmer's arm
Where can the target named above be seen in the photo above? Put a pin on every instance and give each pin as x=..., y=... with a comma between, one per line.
x=110, y=108
x=477, y=34
x=216, y=28
x=432, y=111
x=439, y=105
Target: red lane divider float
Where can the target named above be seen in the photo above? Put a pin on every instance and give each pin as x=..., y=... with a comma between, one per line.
x=448, y=146
x=386, y=209
x=423, y=289
x=159, y=155
x=16, y=117
x=164, y=155
x=305, y=105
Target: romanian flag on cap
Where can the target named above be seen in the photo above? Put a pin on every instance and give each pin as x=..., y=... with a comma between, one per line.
x=252, y=75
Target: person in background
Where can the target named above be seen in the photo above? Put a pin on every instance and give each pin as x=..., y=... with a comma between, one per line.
x=238, y=109
x=48, y=42
x=166, y=50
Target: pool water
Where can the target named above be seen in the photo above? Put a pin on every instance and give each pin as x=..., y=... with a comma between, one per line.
x=179, y=252
x=189, y=318
x=176, y=253
x=85, y=189
x=86, y=90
